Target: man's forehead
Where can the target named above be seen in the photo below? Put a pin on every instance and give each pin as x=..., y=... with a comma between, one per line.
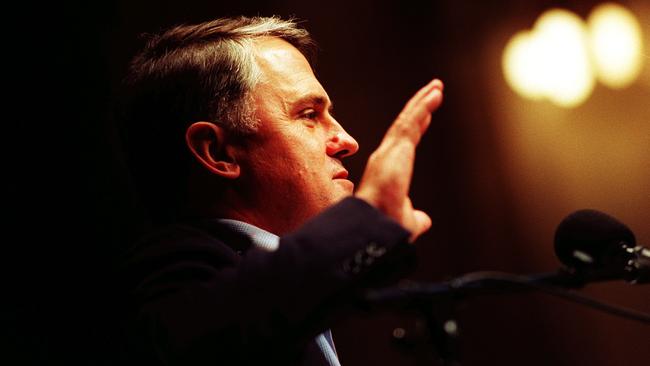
x=286, y=70
x=274, y=53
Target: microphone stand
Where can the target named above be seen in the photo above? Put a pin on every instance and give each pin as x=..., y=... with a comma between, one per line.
x=444, y=335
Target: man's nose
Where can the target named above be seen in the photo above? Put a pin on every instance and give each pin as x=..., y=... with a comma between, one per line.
x=341, y=144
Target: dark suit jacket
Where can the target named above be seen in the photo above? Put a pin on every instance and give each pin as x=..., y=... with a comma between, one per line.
x=199, y=295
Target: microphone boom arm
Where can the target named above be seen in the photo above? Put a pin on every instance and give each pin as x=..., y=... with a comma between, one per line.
x=490, y=282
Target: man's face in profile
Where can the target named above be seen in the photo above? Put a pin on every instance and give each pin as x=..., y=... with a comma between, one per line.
x=293, y=165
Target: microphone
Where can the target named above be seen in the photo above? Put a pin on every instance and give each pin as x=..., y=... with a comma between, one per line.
x=596, y=246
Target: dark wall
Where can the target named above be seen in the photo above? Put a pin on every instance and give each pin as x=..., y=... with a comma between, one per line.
x=73, y=208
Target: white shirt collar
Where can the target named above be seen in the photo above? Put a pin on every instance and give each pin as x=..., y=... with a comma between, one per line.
x=261, y=239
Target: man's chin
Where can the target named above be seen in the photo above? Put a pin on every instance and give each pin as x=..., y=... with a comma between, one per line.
x=346, y=185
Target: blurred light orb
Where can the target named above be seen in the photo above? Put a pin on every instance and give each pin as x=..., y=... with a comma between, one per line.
x=551, y=61
x=562, y=40
x=616, y=45
x=520, y=66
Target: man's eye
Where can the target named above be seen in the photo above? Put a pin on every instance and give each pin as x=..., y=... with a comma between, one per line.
x=309, y=114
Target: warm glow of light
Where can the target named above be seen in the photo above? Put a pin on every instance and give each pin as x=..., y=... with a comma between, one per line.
x=567, y=74
x=520, y=66
x=561, y=57
x=551, y=61
x=616, y=45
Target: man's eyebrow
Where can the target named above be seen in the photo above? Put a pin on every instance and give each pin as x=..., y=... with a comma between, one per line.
x=314, y=99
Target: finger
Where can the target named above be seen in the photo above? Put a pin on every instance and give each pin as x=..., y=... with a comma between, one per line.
x=423, y=224
x=438, y=84
x=430, y=103
x=433, y=84
x=414, y=120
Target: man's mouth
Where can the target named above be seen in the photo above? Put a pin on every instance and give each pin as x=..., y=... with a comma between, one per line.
x=343, y=174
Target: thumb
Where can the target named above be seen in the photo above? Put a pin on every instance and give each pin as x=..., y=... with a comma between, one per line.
x=422, y=224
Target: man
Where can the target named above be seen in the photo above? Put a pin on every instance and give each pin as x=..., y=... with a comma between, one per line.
x=231, y=136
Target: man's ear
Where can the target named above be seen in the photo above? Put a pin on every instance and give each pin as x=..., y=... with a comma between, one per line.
x=207, y=142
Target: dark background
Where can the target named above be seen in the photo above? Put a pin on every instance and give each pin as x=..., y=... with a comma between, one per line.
x=494, y=206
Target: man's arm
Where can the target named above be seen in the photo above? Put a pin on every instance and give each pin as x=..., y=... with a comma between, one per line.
x=198, y=302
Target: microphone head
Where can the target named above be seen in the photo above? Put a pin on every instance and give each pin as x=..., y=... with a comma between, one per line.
x=589, y=240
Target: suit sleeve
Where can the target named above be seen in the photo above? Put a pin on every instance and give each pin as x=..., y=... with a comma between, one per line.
x=196, y=301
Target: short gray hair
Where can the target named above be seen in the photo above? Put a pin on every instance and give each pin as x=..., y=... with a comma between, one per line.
x=216, y=60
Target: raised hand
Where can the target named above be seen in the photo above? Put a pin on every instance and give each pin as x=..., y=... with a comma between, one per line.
x=387, y=178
